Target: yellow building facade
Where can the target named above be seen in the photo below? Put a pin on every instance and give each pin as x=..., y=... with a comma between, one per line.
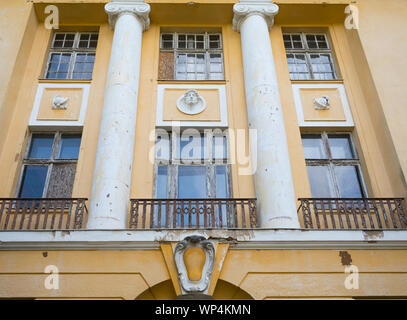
x=234, y=149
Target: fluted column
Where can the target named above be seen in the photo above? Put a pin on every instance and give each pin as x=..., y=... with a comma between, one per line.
x=273, y=177
x=114, y=156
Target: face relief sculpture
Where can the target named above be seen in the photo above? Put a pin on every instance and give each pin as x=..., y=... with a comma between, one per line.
x=191, y=103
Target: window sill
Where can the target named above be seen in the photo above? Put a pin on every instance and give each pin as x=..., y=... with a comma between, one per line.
x=63, y=81
x=317, y=81
x=159, y=81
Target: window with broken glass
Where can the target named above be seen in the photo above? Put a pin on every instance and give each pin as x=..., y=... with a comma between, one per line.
x=72, y=56
x=309, y=56
x=191, y=56
x=49, y=165
x=333, y=166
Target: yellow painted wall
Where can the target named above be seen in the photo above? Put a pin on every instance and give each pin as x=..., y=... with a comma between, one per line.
x=144, y=274
x=17, y=27
x=382, y=40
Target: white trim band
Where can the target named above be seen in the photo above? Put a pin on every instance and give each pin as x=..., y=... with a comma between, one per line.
x=269, y=239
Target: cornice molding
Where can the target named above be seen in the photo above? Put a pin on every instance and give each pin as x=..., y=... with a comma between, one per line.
x=238, y=239
x=138, y=8
x=246, y=8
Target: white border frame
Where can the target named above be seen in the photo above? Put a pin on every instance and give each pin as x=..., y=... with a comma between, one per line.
x=193, y=124
x=299, y=107
x=59, y=123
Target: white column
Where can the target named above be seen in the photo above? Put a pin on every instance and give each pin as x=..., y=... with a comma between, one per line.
x=273, y=178
x=114, y=156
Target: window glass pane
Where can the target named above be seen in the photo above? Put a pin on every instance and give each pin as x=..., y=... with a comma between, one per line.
x=192, y=146
x=222, y=192
x=192, y=182
x=60, y=36
x=33, y=181
x=58, y=44
x=216, y=76
x=322, y=66
x=162, y=147
x=219, y=147
x=162, y=182
x=221, y=182
x=340, y=147
x=70, y=146
x=41, y=146
x=320, y=182
x=313, y=147
x=348, y=180
x=215, y=58
x=287, y=42
x=167, y=41
x=83, y=66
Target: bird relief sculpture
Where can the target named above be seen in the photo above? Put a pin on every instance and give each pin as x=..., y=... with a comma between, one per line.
x=322, y=103
x=191, y=102
x=59, y=103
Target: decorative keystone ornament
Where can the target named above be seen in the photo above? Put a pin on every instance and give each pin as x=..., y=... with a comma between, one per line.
x=190, y=286
x=323, y=103
x=59, y=103
x=191, y=102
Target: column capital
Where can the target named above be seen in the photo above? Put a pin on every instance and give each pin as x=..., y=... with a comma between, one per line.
x=245, y=8
x=137, y=7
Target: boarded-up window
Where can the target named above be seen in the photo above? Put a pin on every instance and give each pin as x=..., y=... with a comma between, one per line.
x=166, y=66
x=61, y=180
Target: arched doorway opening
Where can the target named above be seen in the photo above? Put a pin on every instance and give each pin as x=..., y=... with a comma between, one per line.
x=224, y=291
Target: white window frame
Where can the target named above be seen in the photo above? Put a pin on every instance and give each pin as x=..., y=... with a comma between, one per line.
x=73, y=51
x=56, y=148
x=308, y=51
x=209, y=162
x=332, y=163
x=206, y=51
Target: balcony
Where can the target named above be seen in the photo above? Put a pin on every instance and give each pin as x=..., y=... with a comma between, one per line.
x=314, y=213
x=192, y=213
x=42, y=214
x=353, y=214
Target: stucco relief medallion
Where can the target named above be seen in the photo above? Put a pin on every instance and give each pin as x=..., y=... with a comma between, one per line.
x=191, y=103
x=59, y=103
x=187, y=285
x=322, y=103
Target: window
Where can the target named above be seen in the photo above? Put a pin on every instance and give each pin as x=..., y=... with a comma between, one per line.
x=72, y=56
x=49, y=165
x=192, y=165
x=309, y=56
x=191, y=56
x=333, y=166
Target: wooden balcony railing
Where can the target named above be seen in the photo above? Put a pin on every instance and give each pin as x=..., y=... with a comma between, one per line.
x=192, y=213
x=42, y=214
x=366, y=213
